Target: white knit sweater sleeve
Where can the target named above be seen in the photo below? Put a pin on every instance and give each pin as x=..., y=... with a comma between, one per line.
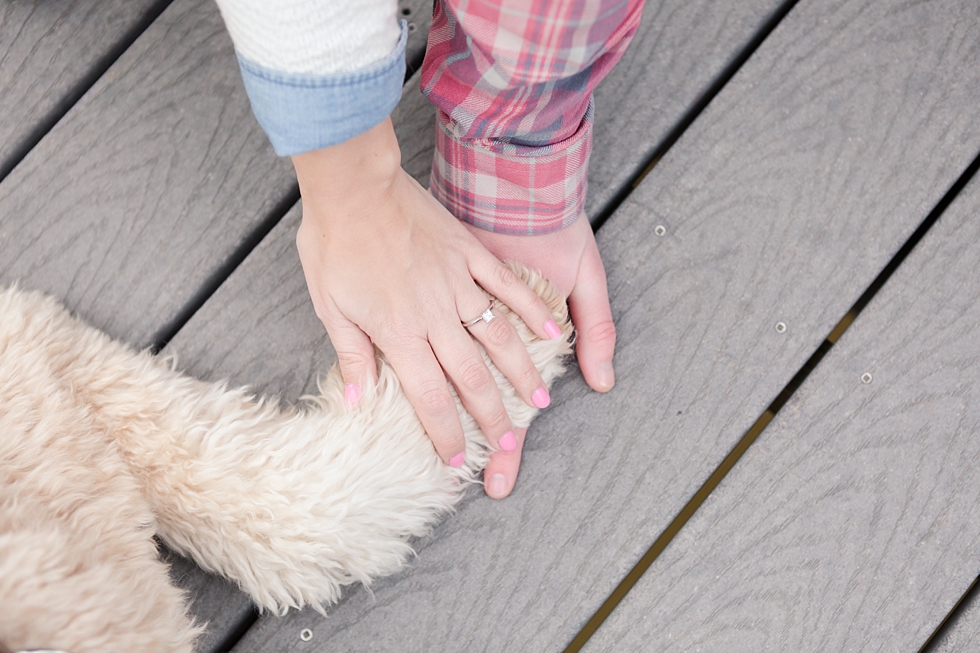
x=315, y=37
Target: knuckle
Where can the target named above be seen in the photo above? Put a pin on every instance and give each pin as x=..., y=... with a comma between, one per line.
x=604, y=331
x=495, y=424
x=352, y=360
x=475, y=377
x=530, y=377
x=436, y=401
x=505, y=279
x=498, y=333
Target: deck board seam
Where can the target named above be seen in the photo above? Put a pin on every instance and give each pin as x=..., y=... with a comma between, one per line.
x=750, y=436
x=80, y=88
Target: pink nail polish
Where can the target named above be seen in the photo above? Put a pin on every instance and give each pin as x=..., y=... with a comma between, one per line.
x=508, y=442
x=352, y=392
x=457, y=460
x=541, y=398
x=552, y=329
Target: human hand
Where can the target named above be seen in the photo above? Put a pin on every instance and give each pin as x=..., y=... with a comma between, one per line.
x=386, y=263
x=570, y=259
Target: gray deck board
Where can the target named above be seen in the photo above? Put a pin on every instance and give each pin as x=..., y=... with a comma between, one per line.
x=146, y=187
x=147, y=184
x=964, y=633
x=222, y=342
x=851, y=524
x=46, y=50
x=754, y=236
x=142, y=191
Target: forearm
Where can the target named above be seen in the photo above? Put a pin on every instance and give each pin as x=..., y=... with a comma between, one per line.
x=516, y=107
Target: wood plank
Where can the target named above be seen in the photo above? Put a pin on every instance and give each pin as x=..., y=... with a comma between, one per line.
x=214, y=601
x=49, y=52
x=225, y=340
x=145, y=188
x=850, y=525
x=288, y=366
x=963, y=633
x=152, y=181
x=815, y=143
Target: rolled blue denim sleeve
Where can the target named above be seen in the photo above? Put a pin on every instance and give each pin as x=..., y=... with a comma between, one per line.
x=301, y=112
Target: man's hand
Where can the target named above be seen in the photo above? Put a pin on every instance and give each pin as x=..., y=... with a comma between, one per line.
x=386, y=263
x=570, y=259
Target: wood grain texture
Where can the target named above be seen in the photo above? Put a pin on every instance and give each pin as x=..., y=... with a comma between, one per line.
x=214, y=601
x=963, y=634
x=851, y=524
x=148, y=185
x=278, y=349
x=781, y=204
x=46, y=50
x=152, y=179
x=144, y=189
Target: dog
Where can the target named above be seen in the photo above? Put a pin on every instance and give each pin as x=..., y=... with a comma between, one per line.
x=103, y=449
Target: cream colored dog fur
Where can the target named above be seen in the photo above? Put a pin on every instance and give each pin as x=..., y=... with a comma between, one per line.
x=101, y=448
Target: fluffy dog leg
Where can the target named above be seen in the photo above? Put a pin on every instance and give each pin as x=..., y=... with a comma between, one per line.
x=78, y=565
x=292, y=505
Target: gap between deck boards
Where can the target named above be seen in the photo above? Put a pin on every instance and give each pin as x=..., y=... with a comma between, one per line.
x=47, y=122
x=646, y=164
x=167, y=332
x=743, y=445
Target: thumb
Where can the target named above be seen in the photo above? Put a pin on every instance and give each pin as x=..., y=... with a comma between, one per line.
x=355, y=355
x=592, y=317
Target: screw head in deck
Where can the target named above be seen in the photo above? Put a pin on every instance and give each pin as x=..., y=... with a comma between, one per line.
x=780, y=327
x=306, y=634
x=660, y=230
x=866, y=377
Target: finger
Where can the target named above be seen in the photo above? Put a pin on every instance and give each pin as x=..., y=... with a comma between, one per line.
x=474, y=382
x=500, y=281
x=509, y=353
x=355, y=355
x=501, y=471
x=592, y=317
x=427, y=390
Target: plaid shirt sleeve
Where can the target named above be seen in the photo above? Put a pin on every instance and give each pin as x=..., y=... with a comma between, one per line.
x=512, y=82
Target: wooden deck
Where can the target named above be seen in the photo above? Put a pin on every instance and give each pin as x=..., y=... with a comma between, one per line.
x=758, y=170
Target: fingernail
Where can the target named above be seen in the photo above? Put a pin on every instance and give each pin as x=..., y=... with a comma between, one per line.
x=552, y=329
x=508, y=442
x=352, y=392
x=457, y=460
x=496, y=485
x=607, y=377
x=541, y=398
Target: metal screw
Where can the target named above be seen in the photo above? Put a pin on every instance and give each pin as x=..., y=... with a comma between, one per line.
x=306, y=634
x=866, y=377
x=660, y=230
x=412, y=27
x=780, y=327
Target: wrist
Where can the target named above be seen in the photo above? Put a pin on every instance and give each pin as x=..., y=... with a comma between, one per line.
x=350, y=178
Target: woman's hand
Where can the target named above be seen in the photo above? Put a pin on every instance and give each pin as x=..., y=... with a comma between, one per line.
x=570, y=259
x=386, y=263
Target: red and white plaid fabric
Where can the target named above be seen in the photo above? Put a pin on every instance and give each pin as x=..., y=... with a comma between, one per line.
x=512, y=82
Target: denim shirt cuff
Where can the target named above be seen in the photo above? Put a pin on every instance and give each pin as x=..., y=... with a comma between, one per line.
x=302, y=112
